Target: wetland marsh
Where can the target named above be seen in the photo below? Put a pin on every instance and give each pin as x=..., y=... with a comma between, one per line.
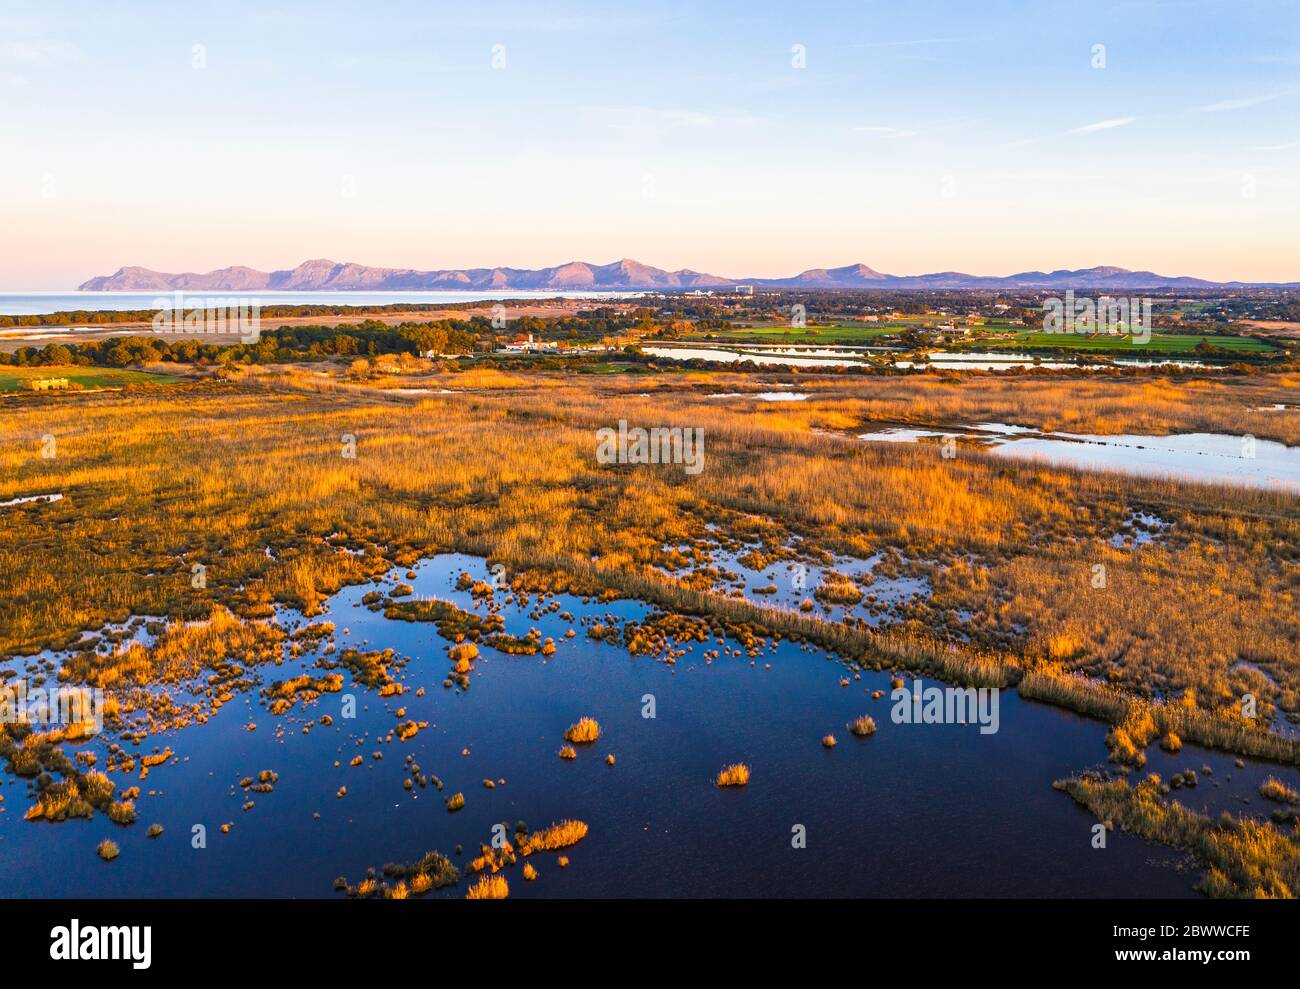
x=230, y=568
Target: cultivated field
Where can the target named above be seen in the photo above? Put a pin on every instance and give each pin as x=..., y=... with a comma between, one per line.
x=16, y=378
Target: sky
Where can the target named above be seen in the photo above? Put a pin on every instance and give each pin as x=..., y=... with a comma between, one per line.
x=741, y=139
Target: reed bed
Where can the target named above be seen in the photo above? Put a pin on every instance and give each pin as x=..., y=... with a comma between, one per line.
x=1242, y=857
x=284, y=488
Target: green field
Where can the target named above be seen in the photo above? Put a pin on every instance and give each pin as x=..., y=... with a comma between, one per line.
x=859, y=333
x=869, y=333
x=611, y=367
x=12, y=378
x=828, y=333
x=1163, y=342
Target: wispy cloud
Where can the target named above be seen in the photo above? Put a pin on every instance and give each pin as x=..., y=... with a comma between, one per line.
x=1108, y=124
x=913, y=42
x=1223, y=106
x=655, y=118
x=603, y=23
x=894, y=132
x=1100, y=125
x=1274, y=147
x=38, y=54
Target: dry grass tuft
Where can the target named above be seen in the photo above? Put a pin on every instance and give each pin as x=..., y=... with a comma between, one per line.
x=1274, y=789
x=489, y=887
x=863, y=726
x=1243, y=857
x=585, y=731
x=736, y=774
x=557, y=836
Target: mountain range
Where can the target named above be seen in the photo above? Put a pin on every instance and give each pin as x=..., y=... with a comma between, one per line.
x=625, y=275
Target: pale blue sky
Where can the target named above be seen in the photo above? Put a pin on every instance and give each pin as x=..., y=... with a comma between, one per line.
x=919, y=136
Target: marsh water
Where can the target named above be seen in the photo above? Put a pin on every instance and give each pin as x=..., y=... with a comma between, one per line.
x=1207, y=457
x=776, y=355
x=913, y=810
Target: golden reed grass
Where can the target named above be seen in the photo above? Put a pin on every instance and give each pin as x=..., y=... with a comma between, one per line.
x=509, y=472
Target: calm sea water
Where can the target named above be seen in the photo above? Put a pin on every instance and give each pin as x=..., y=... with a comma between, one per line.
x=915, y=810
x=42, y=303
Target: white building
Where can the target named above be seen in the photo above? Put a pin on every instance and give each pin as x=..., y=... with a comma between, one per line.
x=524, y=346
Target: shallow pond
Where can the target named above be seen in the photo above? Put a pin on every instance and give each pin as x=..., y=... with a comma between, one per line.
x=1207, y=457
x=994, y=361
x=764, y=396
x=790, y=583
x=765, y=358
x=854, y=356
x=31, y=499
x=913, y=810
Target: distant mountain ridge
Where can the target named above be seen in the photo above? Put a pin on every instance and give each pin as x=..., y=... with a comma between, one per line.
x=322, y=275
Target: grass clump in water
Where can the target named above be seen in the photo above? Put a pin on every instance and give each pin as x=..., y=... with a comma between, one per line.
x=489, y=887
x=838, y=589
x=863, y=726
x=1242, y=857
x=550, y=839
x=1274, y=789
x=433, y=871
x=585, y=731
x=1130, y=737
x=736, y=774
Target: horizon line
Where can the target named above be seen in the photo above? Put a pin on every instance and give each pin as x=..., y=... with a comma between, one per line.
x=723, y=278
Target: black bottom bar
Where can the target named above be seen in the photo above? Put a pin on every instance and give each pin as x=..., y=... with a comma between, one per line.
x=331, y=938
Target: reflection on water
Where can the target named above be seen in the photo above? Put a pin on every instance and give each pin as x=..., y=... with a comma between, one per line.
x=764, y=396
x=31, y=499
x=913, y=810
x=856, y=356
x=753, y=357
x=884, y=583
x=1208, y=457
x=993, y=361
